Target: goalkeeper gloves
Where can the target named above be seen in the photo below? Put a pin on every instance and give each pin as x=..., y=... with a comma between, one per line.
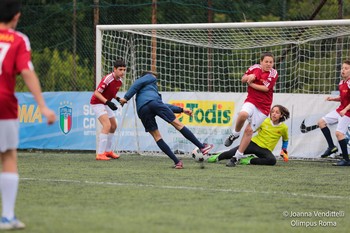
x=111, y=105
x=284, y=155
x=117, y=98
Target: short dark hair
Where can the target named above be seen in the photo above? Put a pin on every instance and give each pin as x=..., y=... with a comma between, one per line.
x=346, y=62
x=119, y=63
x=8, y=9
x=267, y=54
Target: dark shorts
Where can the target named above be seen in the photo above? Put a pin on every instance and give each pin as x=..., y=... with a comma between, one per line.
x=148, y=114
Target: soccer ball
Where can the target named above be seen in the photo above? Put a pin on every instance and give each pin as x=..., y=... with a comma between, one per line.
x=198, y=156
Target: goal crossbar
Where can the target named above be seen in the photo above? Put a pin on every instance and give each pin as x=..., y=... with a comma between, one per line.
x=304, y=23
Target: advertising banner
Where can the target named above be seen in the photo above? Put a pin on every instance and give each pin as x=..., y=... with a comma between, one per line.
x=213, y=119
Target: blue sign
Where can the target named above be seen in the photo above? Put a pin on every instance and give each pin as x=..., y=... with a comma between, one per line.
x=75, y=128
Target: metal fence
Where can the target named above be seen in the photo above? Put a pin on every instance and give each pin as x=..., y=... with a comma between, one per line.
x=62, y=33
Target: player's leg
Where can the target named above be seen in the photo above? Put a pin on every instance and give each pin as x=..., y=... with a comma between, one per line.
x=163, y=111
x=243, y=115
x=263, y=155
x=9, y=178
x=255, y=120
x=329, y=119
x=204, y=147
x=165, y=148
x=340, y=132
x=110, y=138
x=147, y=116
x=101, y=114
x=222, y=155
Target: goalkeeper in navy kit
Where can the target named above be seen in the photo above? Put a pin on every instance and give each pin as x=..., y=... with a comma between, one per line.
x=149, y=105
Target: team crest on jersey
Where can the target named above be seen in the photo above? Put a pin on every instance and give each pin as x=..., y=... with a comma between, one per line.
x=66, y=116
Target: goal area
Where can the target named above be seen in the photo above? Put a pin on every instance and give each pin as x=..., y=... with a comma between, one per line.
x=211, y=58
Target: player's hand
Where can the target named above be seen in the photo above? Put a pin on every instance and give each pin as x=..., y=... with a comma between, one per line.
x=250, y=79
x=342, y=112
x=187, y=111
x=111, y=105
x=117, y=98
x=49, y=114
x=122, y=101
x=284, y=155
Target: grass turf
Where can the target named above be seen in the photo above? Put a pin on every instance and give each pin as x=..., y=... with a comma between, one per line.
x=72, y=192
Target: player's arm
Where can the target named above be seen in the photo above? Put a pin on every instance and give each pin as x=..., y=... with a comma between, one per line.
x=135, y=87
x=259, y=87
x=174, y=108
x=343, y=112
x=188, y=111
x=100, y=96
x=248, y=78
x=284, y=152
x=31, y=80
x=110, y=104
x=177, y=109
x=330, y=98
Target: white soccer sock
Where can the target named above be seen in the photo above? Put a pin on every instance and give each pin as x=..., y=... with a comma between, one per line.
x=109, y=142
x=235, y=133
x=8, y=187
x=102, y=143
x=239, y=155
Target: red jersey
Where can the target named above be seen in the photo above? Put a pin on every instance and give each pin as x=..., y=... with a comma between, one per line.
x=108, y=87
x=262, y=100
x=14, y=57
x=344, y=92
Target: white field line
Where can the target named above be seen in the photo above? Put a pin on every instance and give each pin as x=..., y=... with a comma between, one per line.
x=285, y=194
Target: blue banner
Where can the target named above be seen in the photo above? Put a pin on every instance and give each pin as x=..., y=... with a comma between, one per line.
x=75, y=128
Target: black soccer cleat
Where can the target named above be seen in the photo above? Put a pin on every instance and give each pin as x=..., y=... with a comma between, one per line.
x=230, y=139
x=342, y=162
x=232, y=162
x=329, y=151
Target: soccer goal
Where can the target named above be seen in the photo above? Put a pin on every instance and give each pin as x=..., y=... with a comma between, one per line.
x=211, y=58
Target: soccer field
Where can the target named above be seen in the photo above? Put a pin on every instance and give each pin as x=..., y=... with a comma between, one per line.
x=72, y=192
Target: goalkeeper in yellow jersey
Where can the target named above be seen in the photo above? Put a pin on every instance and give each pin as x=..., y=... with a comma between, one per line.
x=261, y=146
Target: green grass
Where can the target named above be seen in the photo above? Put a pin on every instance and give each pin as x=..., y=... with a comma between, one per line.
x=66, y=192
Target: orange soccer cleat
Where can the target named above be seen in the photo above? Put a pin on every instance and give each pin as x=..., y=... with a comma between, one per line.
x=112, y=155
x=102, y=156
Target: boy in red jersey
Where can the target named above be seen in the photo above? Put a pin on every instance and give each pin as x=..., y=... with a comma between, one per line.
x=15, y=58
x=341, y=116
x=261, y=79
x=102, y=105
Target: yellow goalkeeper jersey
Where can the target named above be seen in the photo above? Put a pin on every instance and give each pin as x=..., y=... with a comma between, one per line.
x=269, y=134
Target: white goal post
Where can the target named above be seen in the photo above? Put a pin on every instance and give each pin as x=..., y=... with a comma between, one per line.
x=211, y=58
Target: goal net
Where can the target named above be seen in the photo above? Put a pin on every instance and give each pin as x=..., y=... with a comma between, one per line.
x=211, y=58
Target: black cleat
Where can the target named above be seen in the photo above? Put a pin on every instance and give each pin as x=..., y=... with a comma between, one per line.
x=232, y=162
x=342, y=162
x=329, y=151
x=230, y=139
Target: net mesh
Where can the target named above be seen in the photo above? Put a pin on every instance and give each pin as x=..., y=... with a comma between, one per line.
x=308, y=58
